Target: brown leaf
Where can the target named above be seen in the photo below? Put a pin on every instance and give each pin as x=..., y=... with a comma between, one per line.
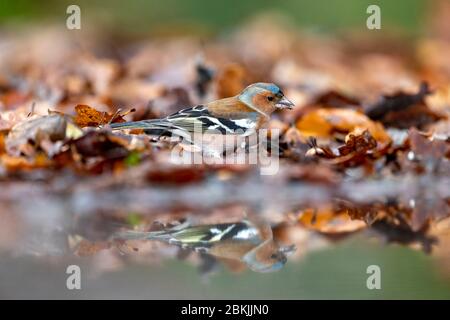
x=426, y=148
x=89, y=117
x=101, y=144
x=324, y=123
x=178, y=175
x=231, y=80
x=334, y=99
x=402, y=110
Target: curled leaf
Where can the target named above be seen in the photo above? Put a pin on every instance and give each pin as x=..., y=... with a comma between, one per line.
x=35, y=132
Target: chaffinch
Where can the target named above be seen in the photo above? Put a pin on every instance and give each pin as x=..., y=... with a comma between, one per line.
x=247, y=241
x=239, y=116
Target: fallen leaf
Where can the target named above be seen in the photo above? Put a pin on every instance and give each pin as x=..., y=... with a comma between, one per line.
x=87, y=116
x=231, y=80
x=402, y=110
x=26, y=137
x=323, y=123
x=327, y=220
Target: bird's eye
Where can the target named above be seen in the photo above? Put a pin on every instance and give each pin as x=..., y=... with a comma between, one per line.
x=270, y=98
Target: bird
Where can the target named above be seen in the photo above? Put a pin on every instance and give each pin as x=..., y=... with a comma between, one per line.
x=249, y=241
x=205, y=126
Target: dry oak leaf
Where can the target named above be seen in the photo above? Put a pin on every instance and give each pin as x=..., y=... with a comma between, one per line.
x=89, y=117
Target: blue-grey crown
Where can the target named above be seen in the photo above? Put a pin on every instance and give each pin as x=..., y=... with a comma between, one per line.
x=269, y=87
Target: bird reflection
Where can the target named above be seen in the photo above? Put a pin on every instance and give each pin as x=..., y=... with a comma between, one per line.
x=249, y=242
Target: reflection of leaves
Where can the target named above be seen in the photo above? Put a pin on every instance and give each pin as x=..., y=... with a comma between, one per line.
x=330, y=220
x=392, y=220
x=396, y=229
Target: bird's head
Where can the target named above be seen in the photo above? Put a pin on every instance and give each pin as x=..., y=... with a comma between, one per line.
x=264, y=98
x=268, y=257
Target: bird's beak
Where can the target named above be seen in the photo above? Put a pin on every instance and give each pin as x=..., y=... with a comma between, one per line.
x=288, y=249
x=284, y=103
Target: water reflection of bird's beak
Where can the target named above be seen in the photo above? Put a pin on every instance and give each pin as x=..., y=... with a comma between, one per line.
x=288, y=249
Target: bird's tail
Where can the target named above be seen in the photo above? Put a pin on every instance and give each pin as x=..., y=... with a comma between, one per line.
x=165, y=234
x=138, y=235
x=144, y=124
x=154, y=127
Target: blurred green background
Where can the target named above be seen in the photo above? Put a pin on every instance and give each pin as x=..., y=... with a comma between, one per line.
x=206, y=16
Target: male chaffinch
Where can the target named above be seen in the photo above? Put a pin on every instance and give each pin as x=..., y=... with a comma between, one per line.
x=247, y=241
x=239, y=116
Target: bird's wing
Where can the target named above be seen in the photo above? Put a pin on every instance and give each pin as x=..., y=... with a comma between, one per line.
x=195, y=119
x=199, y=119
x=207, y=235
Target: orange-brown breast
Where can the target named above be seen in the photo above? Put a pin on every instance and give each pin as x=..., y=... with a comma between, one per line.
x=231, y=250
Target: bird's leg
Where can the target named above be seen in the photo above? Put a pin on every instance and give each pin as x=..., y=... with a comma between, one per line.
x=177, y=148
x=228, y=152
x=247, y=144
x=183, y=254
x=208, y=264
